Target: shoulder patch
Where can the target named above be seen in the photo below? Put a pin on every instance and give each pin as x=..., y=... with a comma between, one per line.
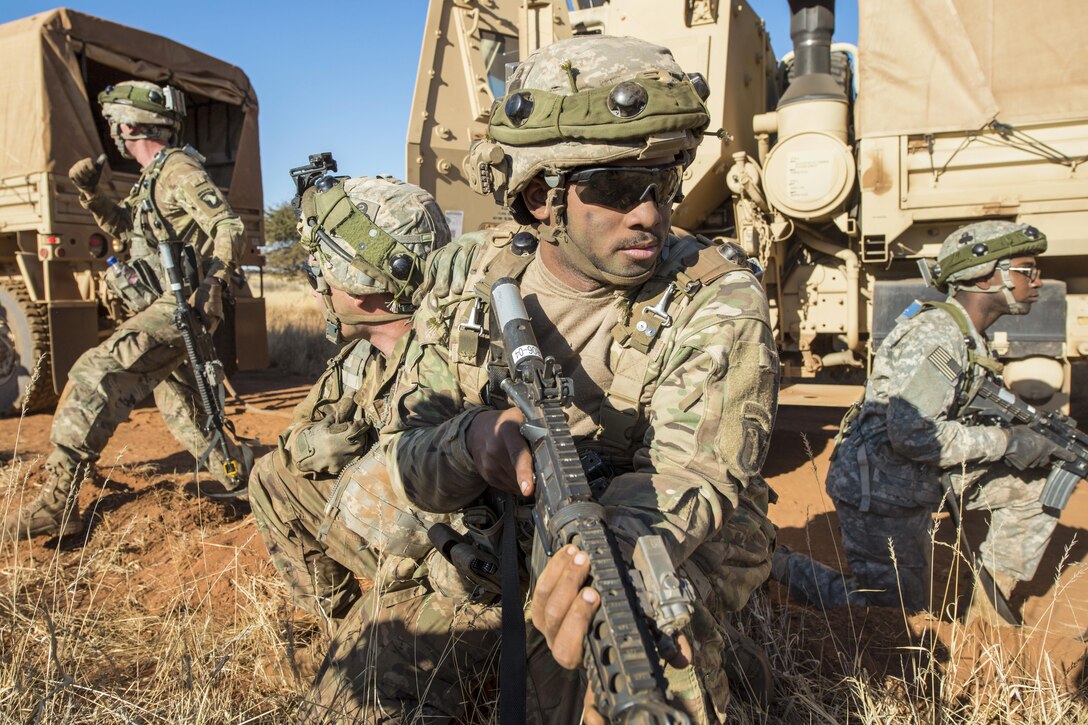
x=211, y=198
x=912, y=309
x=207, y=196
x=945, y=364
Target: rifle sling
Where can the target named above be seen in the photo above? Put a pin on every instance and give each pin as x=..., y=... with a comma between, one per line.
x=512, y=655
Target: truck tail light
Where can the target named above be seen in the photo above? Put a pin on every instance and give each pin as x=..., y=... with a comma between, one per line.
x=97, y=245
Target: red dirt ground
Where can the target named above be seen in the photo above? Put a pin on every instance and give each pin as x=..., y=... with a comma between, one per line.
x=1054, y=605
x=147, y=485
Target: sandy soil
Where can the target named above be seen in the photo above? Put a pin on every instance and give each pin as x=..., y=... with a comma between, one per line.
x=146, y=485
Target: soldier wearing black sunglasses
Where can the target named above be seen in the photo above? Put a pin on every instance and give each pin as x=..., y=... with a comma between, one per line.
x=587, y=150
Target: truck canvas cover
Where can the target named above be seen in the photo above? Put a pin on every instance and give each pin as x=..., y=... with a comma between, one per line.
x=47, y=120
x=932, y=66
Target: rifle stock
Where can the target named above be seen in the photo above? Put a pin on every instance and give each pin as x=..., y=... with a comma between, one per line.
x=622, y=653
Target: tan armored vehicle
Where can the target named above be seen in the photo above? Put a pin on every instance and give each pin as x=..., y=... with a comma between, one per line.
x=52, y=254
x=838, y=167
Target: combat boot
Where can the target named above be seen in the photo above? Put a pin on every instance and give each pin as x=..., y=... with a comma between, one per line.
x=747, y=667
x=53, y=512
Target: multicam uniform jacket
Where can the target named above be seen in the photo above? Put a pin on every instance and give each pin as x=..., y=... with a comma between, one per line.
x=174, y=196
x=685, y=425
x=295, y=489
x=184, y=201
x=339, y=418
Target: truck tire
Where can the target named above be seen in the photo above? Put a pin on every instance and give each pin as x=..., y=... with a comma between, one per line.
x=24, y=349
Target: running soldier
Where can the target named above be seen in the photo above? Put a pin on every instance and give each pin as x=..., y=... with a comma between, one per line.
x=904, y=436
x=293, y=489
x=675, y=375
x=175, y=199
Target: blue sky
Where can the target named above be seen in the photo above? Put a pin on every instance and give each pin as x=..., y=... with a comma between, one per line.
x=332, y=76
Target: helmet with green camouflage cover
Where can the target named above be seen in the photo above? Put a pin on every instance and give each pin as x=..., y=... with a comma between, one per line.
x=156, y=111
x=584, y=101
x=384, y=226
x=976, y=250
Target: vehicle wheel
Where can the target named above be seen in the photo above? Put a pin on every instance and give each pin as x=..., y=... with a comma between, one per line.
x=26, y=376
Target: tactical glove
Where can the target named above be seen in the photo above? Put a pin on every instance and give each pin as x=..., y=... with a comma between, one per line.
x=85, y=174
x=208, y=301
x=1028, y=449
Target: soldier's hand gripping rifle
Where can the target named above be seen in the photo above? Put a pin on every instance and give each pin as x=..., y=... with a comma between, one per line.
x=995, y=404
x=643, y=608
x=992, y=404
x=207, y=374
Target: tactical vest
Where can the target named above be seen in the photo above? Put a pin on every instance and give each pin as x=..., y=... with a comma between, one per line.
x=648, y=316
x=149, y=226
x=977, y=368
x=342, y=380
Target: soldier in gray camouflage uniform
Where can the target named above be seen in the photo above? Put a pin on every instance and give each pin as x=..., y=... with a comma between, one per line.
x=587, y=149
x=292, y=488
x=174, y=196
x=885, y=475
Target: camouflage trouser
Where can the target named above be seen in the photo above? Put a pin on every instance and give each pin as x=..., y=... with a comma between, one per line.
x=289, y=510
x=142, y=357
x=407, y=653
x=1015, y=542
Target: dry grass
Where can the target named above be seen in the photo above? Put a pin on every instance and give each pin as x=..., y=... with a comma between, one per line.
x=74, y=650
x=296, y=327
x=87, y=635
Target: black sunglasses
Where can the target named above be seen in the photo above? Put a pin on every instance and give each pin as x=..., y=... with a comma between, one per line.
x=624, y=187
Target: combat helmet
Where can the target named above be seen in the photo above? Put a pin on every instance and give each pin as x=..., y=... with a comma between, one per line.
x=370, y=235
x=976, y=250
x=583, y=102
x=157, y=111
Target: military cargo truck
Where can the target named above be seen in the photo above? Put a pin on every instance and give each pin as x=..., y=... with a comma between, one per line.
x=52, y=254
x=839, y=167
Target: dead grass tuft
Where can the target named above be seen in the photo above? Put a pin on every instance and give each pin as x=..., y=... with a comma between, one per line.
x=296, y=327
x=158, y=622
x=93, y=634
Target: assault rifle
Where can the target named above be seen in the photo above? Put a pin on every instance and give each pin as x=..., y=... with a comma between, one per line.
x=207, y=373
x=995, y=404
x=643, y=608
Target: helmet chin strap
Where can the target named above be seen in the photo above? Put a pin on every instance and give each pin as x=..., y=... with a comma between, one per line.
x=1006, y=288
x=557, y=234
x=1015, y=307
x=159, y=133
x=335, y=321
x=119, y=138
